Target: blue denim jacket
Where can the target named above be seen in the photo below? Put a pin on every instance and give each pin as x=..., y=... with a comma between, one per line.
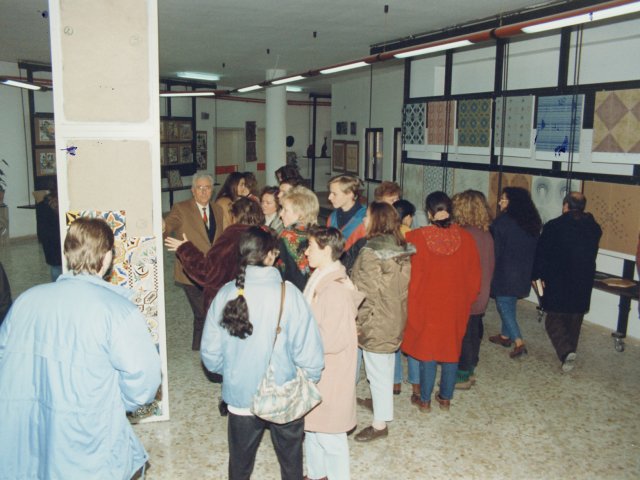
x=243, y=362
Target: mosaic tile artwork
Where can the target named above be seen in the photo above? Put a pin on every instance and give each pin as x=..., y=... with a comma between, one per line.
x=558, y=117
x=474, y=122
x=413, y=123
x=508, y=180
x=440, y=122
x=615, y=208
x=142, y=263
x=470, y=180
x=547, y=195
x=517, y=126
x=437, y=179
x=616, y=121
x=412, y=188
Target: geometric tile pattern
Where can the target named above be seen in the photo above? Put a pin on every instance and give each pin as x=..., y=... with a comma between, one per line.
x=437, y=179
x=474, y=122
x=615, y=208
x=517, y=125
x=558, y=117
x=413, y=123
x=440, y=122
x=616, y=122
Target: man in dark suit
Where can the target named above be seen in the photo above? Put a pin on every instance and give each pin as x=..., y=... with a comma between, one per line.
x=566, y=264
x=194, y=218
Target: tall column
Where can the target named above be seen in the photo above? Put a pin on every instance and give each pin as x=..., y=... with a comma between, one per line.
x=276, y=127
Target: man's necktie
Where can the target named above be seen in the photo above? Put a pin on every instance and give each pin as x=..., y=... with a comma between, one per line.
x=204, y=216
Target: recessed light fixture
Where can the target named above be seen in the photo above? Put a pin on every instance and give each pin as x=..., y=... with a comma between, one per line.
x=293, y=88
x=19, y=83
x=434, y=48
x=287, y=80
x=187, y=94
x=342, y=68
x=250, y=89
x=209, y=77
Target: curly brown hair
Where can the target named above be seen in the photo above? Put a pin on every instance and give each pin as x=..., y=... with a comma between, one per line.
x=471, y=209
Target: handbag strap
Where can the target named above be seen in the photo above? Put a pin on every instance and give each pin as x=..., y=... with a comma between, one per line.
x=278, y=329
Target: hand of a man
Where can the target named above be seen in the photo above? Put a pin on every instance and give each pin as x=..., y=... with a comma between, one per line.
x=173, y=244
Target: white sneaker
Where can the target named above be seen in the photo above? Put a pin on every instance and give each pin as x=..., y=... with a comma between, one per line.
x=569, y=362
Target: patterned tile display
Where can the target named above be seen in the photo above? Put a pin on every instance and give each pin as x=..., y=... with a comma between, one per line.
x=616, y=122
x=470, y=180
x=439, y=130
x=413, y=123
x=412, y=187
x=558, y=116
x=474, y=122
x=615, y=208
x=437, y=179
x=547, y=195
x=508, y=180
x=517, y=125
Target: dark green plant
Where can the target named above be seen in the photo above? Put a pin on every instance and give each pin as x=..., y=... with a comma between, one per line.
x=3, y=182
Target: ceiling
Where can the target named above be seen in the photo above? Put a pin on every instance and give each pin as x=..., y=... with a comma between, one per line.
x=231, y=37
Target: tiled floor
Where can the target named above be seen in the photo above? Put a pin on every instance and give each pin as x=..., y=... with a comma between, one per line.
x=524, y=419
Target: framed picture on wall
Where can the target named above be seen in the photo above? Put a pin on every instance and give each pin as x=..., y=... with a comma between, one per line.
x=45, y=162
x=163, y=155
x=186, y=154
x=341, y=128
x=163, y=131
x=45, y=130
x=338, y=156
x=353, y=128
x=201, y=160
x=171, y=155
x=351, y=157
x=174, y=179
x=185, y=131
x=201, y=140
x=171, y=131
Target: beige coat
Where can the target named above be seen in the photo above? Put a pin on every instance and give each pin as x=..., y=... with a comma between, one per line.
x=382, y=272
x=222, y=214
x=334, y=303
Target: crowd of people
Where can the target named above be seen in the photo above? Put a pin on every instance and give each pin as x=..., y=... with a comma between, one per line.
x=271, y=288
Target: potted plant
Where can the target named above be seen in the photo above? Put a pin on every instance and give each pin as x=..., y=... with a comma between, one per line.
x=3, y=181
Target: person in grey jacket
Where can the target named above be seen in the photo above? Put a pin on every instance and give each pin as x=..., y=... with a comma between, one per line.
x=238, y=340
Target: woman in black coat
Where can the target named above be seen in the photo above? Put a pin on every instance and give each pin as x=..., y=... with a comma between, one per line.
x=515, y=234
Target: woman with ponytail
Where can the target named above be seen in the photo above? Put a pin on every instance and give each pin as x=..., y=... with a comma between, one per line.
x=445, y=281
x=238, y=342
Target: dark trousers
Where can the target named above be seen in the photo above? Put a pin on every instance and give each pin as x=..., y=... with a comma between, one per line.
x=469, y=355
x=244, y=434
x=195, y=295
x=564, y=331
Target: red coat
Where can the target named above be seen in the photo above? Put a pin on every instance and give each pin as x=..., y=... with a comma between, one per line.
x=445, y=281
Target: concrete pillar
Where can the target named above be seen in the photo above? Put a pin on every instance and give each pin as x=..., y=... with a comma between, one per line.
x=276, y=128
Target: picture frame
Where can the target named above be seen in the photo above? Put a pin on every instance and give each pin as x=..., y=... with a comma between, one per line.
x=201, y=160
x=45, y=159
x=341, y=128
x=186, y=154
x=352, y=158
x=163, y=131
x=185, y=131
x=174, y=179
x=338, y=156
x=171, y=131
x=201, y=140
x=44, y=130
x=171, y=155
x=353, y=128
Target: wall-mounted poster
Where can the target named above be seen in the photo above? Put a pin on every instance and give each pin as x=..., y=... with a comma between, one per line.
x=45, y=162
x=616, y=124
x=171, y=131
x=559, y=121
x=337, y=159
x=201, y=160
x=185, y=131
x=341, y=128
x=351, y=163
x=171, y=155
x=186, y=154
x=45, y=130
x=201, y=140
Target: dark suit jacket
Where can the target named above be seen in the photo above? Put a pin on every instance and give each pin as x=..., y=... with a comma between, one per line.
x=185, y=217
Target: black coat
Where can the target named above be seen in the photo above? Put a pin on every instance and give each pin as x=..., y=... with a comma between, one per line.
x=566, y=262
x=515, y=252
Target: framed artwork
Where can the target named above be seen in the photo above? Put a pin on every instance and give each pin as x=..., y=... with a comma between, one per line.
x=45, y=162
x=171, y=131
x=171, y=155
x=174, y=178
x=201, y=160
x=163, y=131
x=185, y=131
x=338, y=156
x=163, y=155
x=351, y=162
x=341, y=128
x=45, y=130
x=353, y=128
x=186, y=154
x=201, y=140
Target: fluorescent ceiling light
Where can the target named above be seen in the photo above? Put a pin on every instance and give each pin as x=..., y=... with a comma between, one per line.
x=288, y=80
x=584, y=18
x=293, y=88
x=342, y=68
x=250, y=89
x=209, y=77
x=20, y=84
x=187, y=94
x=435, y=48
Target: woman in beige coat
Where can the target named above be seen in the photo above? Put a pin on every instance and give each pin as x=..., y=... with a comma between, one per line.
x=334, y=302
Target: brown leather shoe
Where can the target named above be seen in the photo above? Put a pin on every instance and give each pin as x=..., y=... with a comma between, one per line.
x=397, y=388
x=369, y=434
x=366, y=403
x=444, y=404
x=518, y=351
x=424, y=407
x=500, y=340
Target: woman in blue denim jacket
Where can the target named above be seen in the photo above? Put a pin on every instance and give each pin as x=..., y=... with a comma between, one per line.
x=238, y=340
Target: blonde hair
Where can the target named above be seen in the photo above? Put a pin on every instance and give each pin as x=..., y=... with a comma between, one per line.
x=470, y=209
x=348, y=183
x=304, y=203
x=88, y=241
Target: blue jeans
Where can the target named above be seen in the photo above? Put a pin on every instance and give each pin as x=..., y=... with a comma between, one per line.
x=428, y=379
x=507, y=309
x=413, y=367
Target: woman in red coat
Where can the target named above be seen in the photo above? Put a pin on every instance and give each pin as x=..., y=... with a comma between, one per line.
x=445, y=281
